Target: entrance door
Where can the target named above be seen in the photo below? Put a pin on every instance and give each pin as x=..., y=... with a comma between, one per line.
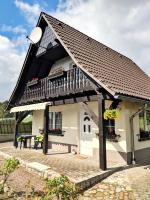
x=86, y=135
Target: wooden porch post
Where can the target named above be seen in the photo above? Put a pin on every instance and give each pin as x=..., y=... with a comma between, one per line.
x=102, y=135
x=46, y=120
x=16, y=130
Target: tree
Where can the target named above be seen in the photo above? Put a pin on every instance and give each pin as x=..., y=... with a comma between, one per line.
x=3, y=112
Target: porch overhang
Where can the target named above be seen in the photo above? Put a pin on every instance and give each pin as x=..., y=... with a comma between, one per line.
x=31, y=107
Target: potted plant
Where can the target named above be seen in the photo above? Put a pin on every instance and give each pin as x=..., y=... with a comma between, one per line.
x=111, y=114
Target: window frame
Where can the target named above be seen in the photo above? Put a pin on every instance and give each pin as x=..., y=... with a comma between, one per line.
x=144, y=133
x=110, y=131
x=55, y=123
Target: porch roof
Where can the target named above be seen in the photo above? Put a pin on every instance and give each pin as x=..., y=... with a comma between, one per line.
x=37, y=106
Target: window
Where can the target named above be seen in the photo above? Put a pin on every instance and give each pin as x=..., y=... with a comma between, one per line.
x=144, y=125
x=87, y=124
x=110, y=131
x=55, y=122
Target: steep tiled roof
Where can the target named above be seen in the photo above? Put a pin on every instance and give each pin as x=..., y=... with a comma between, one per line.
x=115, y=72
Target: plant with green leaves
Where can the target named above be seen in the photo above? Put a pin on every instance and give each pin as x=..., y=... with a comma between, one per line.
x=20, y=139
x=8, y=167
x=111, y=114
x=39, y=138
x=60, y=188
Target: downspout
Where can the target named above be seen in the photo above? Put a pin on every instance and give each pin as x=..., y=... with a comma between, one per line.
x=132, y=133
x=132, y=141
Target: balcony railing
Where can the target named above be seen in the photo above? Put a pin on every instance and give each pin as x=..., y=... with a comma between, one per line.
x=71, y=82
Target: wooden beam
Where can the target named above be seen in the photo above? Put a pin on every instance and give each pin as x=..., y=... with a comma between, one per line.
x=74, y=100
x=22, y=116
x=115, y=104
x=15, y=143
x=90, y=112
x=46, y=121
x=102, y=135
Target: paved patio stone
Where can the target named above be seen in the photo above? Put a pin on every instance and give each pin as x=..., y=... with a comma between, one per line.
x=81, y=170
x=67, y=164
x=128, y=184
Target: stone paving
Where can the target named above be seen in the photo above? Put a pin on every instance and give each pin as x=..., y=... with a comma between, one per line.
x=130, y=183
x=107, y=189
x=81, y=170
x=70, y=165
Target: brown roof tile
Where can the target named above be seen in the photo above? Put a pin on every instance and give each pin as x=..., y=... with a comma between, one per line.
x=117, y=72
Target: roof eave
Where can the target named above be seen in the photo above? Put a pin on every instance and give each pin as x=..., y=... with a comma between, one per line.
x=132, y=98
x=20, y=75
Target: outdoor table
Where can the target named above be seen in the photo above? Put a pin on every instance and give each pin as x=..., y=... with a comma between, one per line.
x=26, y=138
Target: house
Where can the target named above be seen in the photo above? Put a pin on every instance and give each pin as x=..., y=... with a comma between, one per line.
x=68, y=81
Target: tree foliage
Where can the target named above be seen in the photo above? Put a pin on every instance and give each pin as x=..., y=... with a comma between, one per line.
x=3, y=112
x=8, y=167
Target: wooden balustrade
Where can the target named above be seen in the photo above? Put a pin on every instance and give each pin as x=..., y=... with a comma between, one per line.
x=72, y=82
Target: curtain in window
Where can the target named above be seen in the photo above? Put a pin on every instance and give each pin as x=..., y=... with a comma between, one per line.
x=51, y=120
x=58, y=120
x=55, y=120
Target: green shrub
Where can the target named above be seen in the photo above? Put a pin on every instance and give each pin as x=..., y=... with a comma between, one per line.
x=8, y=167
x=60, y=188
x=20, y=139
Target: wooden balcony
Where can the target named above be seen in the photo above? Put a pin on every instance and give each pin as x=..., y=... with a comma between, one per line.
x=69, y=83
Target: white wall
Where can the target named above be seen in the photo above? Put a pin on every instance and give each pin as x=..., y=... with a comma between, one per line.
x=37, y=121
x=71, y=126
x=119, y=128
x=70, y=123
x=131, y=108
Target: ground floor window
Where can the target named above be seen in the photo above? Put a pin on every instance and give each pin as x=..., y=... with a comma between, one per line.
x=55, y=122
x=144, y=125
x=110, y=131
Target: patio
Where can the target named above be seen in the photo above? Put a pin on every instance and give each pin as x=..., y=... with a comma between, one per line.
x=81, y=170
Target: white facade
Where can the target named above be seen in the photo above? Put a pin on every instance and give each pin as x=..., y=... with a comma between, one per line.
x=72, y=124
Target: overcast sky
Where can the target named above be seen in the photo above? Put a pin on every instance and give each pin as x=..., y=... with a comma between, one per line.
x=123, y=25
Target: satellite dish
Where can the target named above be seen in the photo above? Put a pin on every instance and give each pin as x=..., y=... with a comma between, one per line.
x=35, y=35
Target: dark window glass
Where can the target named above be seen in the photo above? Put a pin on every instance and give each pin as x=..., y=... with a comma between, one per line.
x=110, y=129
x=89, y=127
x=58, y=120
x=84, y=128
x=51, y=121
x=86, y=119
x=144, y=124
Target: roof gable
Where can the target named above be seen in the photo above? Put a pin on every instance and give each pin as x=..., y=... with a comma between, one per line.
x=113, y=71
